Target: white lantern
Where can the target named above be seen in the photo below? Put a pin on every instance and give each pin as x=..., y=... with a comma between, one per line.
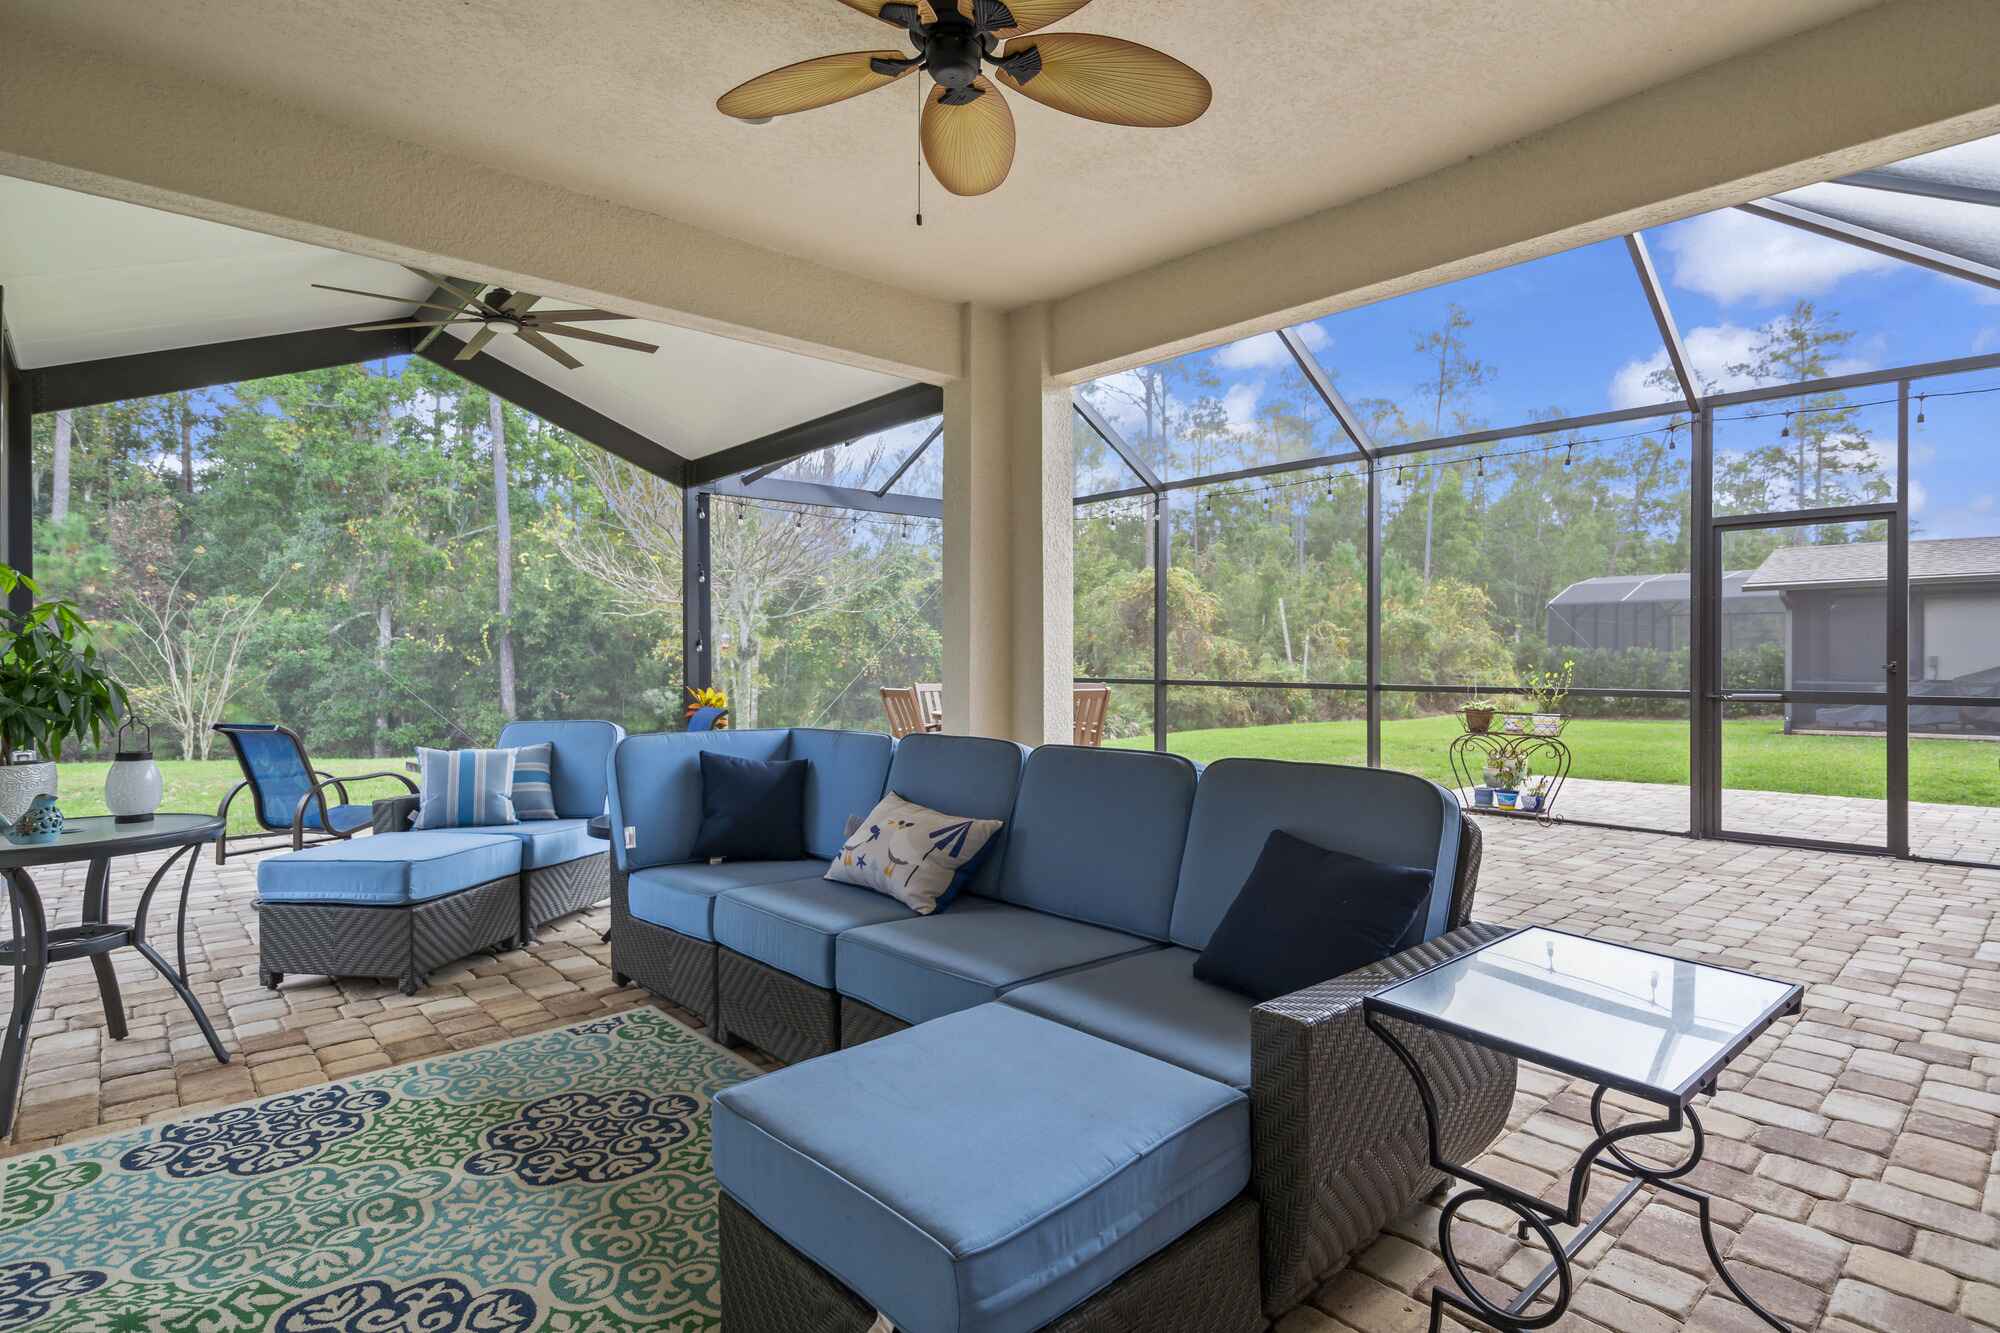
x=132, y=787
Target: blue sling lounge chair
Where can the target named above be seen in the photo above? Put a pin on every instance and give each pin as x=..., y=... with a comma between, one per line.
x=290, y=794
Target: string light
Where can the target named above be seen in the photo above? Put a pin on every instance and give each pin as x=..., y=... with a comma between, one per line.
x=1786, y=433
x=1920, y=409
x=1569, y=454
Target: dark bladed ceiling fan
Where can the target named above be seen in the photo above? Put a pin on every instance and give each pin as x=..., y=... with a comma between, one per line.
x=498, y=312
x=967, y=132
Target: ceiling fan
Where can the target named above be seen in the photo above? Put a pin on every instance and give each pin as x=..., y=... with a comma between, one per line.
x=966, y=131
x=498, y=312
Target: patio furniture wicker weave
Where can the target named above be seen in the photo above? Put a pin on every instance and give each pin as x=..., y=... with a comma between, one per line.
x=1076, y=937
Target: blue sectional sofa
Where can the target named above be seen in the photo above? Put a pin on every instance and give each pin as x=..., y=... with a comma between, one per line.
x=1025, y=1111
x=404, y=901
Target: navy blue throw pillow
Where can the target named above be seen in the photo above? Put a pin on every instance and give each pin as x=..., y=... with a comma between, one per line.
x=1307, y=915
x=751, y=809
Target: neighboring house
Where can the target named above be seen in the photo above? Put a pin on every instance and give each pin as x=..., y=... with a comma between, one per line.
x=1835, y=600
x=1621, y=612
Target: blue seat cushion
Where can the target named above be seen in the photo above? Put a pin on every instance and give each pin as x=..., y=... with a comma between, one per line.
x=550, y=842
x=973, y=777
x=683, y=897
x=1153, y=1003
x=983, y=1173
x=578, y=763
x=388, y=869
x=655, y=789
x=1373, y=813
x=844, y=778
x=930, y=966
x=340, y=818
x=792, y=926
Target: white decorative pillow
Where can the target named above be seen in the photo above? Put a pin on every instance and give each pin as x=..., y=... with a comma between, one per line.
x=911, y=853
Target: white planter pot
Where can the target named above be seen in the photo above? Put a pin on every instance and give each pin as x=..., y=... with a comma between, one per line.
x=20, y=784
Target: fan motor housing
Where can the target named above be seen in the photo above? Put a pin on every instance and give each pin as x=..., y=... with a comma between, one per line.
x=951, y=54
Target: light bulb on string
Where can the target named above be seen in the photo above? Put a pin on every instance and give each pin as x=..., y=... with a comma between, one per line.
x=1786, y=433
x=1920, y=409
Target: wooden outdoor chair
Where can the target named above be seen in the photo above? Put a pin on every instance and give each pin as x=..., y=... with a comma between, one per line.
x=906, y=715
x=930, y=700
x=1091, y=702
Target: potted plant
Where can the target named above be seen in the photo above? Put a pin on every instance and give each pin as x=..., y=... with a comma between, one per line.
x=53, y=688
x=1535, y=796
x=1546, y=692
x=1505, y=772
x=1479, y=714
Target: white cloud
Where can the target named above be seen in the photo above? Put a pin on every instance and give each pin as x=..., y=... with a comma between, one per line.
x=1986, y=339
x=1711, y=349
x=1239, y=405
x=1265, y=351
x=1920, y=498
x=1732, y=256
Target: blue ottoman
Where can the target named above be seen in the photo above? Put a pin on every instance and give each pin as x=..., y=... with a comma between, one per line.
x=983, y=1172
x=392, y=905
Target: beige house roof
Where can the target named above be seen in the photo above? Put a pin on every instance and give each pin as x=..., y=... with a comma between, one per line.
x=1943, y=560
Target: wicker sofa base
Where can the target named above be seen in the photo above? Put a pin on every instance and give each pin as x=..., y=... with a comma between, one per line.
x=678, y=968
x=555, y=891
x=775, y=1011
x=1205, y=1282
x=864, y=1022
x=400, y=943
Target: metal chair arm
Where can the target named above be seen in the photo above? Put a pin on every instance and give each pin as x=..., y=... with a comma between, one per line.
x=317, y=792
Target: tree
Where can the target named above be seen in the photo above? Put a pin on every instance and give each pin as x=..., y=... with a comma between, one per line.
x=190, y=659
x=503, y=551
x=1457, y=375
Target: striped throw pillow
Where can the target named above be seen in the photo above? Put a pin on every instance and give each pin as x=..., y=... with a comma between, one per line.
x=534, y=765
x=465, y=788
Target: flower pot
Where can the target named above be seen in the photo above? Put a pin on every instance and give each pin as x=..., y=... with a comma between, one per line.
x=1530, y=801
x=1548, y=724
x=1478, y=719
x=1506, y=800
x=20, y=784
x=1513, y=724
x=1483, y=797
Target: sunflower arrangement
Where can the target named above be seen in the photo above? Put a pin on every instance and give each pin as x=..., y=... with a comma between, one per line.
x=708, y=697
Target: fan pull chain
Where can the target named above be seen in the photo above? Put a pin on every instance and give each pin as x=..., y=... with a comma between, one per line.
x=919, y=81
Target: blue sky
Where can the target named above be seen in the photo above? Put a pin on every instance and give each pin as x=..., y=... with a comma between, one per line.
x=1571, y=334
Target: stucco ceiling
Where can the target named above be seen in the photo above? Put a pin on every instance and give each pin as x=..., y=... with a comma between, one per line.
x=1316, y=102
x=87, y=278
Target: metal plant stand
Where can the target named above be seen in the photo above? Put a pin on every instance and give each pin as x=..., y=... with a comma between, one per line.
x=1599, y=1012
x=1543, y=754
x=33, y=946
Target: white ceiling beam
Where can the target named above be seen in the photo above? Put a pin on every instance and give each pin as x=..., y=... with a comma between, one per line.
x=1823, y=104
x=85, y=119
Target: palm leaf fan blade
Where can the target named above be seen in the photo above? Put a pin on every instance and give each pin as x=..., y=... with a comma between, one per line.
x=819, y=82
x=970, y=148
x=1105, y=79
x=1010, y=18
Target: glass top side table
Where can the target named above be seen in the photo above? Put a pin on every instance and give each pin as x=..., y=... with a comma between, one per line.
x=1628, y=1020
x=34, y=945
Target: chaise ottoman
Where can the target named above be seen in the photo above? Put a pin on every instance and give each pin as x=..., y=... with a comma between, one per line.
x=986, y=1172
x=394, y=905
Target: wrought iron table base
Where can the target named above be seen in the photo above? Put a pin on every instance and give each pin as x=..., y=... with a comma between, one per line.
x=1538, y=1217
x=34, y=946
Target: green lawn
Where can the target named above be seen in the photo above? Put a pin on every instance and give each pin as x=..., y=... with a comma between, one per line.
x=200, y=785
x=1757, y=755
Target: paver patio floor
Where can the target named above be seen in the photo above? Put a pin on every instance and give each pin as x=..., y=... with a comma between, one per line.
x=1851, y=1151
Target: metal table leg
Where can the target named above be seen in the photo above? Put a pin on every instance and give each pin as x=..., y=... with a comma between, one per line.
x=96, y=905
x=176, y=977
x=1536, y=1215
x=29, y=954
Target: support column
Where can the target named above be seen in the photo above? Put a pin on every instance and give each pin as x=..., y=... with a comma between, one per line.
x=1042, y=572
x=978, y=670
x=1008, y=536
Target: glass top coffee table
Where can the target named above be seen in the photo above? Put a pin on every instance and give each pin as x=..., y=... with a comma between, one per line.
x=1628, y=1020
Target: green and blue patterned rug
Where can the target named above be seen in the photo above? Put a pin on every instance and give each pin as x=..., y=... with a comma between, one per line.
x=558, y=1182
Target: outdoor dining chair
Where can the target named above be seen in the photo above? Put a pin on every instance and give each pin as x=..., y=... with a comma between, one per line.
x=1091, y=701
x=288, y=792
x=930, y=700
x=906, y=715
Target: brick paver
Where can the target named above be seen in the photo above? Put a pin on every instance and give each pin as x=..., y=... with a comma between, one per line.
x=1852, y=1151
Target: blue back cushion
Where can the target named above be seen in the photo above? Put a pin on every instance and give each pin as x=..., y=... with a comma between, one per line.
x=845, y=775
x=1393, y=818
x=1098, y=836
x=656, y=788
x=974, y=776
x=582, y=750
x=277, y=775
